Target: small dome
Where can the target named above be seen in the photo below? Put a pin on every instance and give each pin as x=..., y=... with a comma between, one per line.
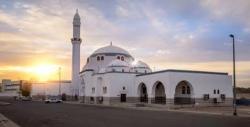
x=140, y=64
x=111, y=49
x=118, y=63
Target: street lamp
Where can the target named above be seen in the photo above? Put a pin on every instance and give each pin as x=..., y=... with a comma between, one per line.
x=59, y=76
x=234, y=77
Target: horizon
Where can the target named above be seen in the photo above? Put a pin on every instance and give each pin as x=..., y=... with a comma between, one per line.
x=187, y=35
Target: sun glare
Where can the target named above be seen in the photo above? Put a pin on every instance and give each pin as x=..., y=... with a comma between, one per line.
x=44, y=72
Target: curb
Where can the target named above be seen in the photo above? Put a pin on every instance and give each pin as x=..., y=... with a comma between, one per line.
x=159, y=109
x=4, y=103
x=5, y=122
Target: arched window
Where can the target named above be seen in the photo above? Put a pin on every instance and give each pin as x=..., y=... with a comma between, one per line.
x=218, y=91
x=122, y=70
x=183, y=89
x=122, y=58
x=123, y=88
x=118, y=57
x=145, y=71
x=188, y=90
x=88, y=60
x=113, y=70
x=98, y=58
x=102, y=57
x=104, y=90
x=136, y=71
x=214, y=91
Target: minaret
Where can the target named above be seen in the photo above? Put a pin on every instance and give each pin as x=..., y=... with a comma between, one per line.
x=76, y=42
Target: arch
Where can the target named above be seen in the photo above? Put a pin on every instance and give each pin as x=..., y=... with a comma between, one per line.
x=118, y=57
x=122, y=58
x=102, y=57
x=183, y=93
x=159, y=93
x=98, y=58
x=142, y=92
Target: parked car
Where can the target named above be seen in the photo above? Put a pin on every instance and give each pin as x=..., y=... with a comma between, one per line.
x=53, y=99
x=26, y=98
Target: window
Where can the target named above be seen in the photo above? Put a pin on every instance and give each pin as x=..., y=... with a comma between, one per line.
x=98, y=58
x=188, y=90
x=214, y=91
x=113, y=70
x=118, y=57
x=123, y=88
x=218, y=91
x=122, y=58
x=145, y=71
x=102, y=57
x=136, y=71
x=88, y=60
x=206, y=97
x=93, y=90
x=122, y=70
x=223, y=97
x=183, y=90
x=104, y=90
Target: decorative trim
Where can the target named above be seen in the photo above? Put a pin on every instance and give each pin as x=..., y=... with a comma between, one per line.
x=184, y=71
x=86, y=70
x=111, y=54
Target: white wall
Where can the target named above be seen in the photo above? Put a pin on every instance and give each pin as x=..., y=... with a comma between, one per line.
x=202, y=83
x=119, y=80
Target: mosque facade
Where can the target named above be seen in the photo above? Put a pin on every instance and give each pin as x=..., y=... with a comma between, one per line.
x=111, y=75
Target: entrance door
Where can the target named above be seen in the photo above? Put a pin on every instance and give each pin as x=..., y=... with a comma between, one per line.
x=123, y=97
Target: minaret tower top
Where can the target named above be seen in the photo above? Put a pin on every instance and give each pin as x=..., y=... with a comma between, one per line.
x=76, y=26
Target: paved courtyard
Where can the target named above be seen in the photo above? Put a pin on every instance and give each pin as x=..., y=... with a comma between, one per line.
x=38, y=114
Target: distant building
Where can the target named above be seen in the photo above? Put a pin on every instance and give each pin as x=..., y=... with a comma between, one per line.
x=12, y=88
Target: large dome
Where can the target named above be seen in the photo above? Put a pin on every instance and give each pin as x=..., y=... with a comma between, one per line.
x=111, y=49
x=118, y=63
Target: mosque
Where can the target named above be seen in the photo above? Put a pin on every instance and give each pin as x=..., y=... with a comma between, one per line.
x=111, y=75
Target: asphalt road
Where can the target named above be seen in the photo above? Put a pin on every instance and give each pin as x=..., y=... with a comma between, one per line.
x=38, y=114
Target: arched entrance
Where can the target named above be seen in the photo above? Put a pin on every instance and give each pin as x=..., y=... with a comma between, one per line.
x=159, y=91
x=183, y=93
x=142, y=92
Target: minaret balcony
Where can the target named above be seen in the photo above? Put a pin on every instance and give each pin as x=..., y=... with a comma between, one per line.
x=76, y=39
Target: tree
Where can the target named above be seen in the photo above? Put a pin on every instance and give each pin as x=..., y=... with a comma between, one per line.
x=26, y=89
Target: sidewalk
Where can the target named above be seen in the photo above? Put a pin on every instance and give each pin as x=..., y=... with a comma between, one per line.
x=243, y=111
x=5, y=122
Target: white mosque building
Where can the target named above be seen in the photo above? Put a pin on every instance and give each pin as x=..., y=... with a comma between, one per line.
x=111, y=75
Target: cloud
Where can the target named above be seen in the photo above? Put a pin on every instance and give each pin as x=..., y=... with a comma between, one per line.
x=229, y=10
x=163, y=33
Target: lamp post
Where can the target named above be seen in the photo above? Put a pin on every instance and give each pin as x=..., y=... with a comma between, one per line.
x=59, y=76
x=234, y=77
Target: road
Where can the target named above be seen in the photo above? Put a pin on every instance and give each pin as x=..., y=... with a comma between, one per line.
x=38, y=114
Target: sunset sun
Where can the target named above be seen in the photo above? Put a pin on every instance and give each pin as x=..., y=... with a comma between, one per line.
x=44, y=72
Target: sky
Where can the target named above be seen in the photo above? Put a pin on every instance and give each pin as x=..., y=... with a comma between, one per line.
x=166, y=34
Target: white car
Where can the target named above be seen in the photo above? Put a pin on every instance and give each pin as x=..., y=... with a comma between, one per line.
x=24, y=98
x=53, y=99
